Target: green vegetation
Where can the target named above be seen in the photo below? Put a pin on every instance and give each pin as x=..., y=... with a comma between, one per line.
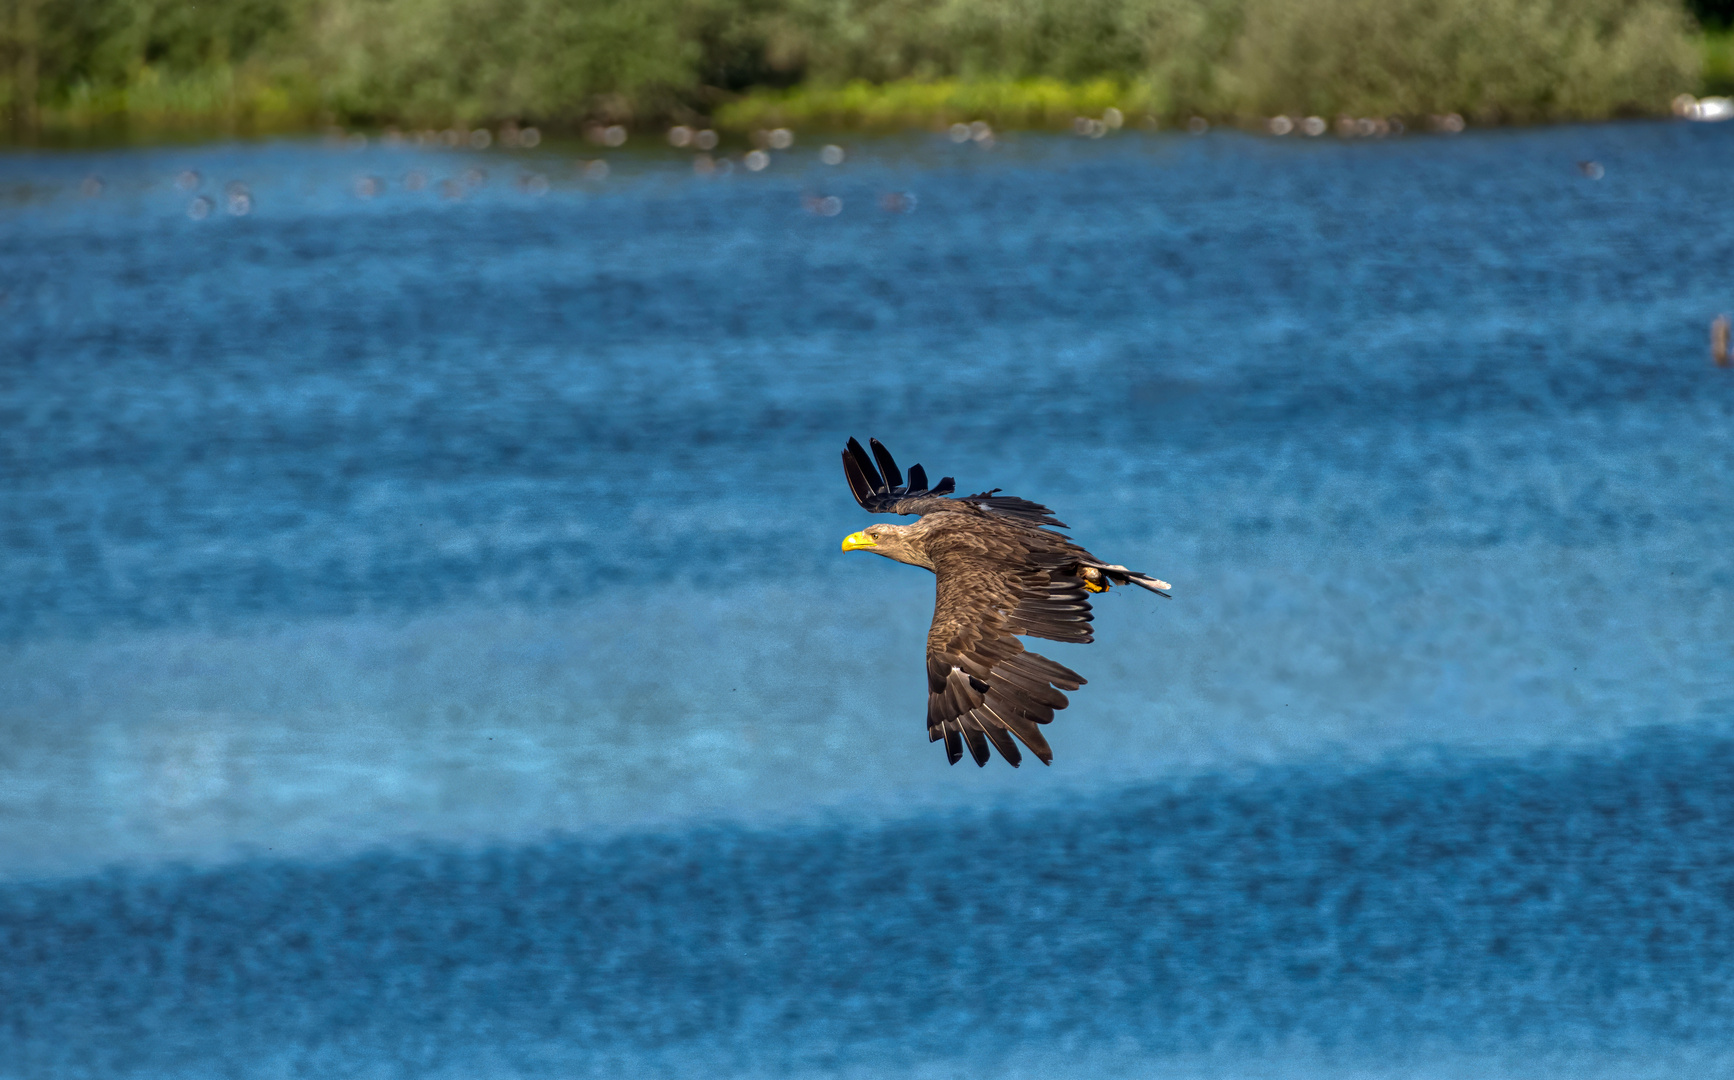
x=1717, y=50
x=160, y=65
x=907, y=103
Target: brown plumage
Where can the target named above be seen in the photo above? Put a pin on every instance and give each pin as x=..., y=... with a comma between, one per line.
x=1002, y=570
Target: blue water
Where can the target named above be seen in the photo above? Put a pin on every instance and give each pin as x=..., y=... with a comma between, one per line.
x=425, y=652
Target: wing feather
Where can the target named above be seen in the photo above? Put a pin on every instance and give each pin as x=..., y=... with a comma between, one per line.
x=864, y=461
x=972, y=738
x=1013, y=507
x=858, y=483
x=982, y=683
x=887, y=467
x=1026, y=731
x=878, y=486
x=997, y=735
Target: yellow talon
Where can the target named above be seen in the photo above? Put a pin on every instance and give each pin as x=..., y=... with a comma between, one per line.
x=1093, y=587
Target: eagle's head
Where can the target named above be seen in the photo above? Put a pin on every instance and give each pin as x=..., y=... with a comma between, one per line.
x=891, y=541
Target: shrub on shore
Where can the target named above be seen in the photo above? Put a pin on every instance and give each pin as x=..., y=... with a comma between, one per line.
x=285, y=63
x=1024, y=103
x=1717, y=51
x=1492, y=60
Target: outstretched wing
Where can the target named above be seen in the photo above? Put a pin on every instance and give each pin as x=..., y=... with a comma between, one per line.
x=879, y=488
x=983, y=686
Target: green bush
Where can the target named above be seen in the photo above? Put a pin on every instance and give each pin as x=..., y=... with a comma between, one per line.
x=564, y=62
x=1717, y=50
x=1488, y=59
x=433, y=61
x=161, y=59
x=911, y=103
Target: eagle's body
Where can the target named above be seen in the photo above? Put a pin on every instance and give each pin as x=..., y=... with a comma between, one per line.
x=1001, y=571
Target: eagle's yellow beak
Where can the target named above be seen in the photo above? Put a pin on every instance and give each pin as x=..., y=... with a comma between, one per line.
x=857, y=540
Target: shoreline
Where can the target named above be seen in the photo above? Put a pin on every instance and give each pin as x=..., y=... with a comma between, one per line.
x=734, y=141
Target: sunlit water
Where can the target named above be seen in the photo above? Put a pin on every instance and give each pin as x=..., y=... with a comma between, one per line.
x=425, y=649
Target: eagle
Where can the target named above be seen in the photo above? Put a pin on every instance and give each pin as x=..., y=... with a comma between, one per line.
x=1002, y=569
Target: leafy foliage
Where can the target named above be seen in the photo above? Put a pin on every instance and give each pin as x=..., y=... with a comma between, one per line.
x=569, y=61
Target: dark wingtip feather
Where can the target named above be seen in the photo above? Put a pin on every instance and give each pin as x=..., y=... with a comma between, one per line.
x=887, y=465
x=945, y=486
x=858, y=484
x=977, y=744
x=978, y=750
x=865, y=461
x=1002, y=741
x=917, y=479
x=1031, y=736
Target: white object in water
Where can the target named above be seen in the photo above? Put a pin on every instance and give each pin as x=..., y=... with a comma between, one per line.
x=1711, y=109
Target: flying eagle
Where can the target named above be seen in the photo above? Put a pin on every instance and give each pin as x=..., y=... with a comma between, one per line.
x=1002, y=570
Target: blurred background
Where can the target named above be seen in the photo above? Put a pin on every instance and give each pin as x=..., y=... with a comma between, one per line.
x=425, y=649
x=106, y=68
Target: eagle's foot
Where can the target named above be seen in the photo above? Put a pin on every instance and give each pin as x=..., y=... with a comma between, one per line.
x=1094, y=580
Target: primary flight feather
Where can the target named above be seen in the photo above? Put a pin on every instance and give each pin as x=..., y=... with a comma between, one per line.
x=1002, y=570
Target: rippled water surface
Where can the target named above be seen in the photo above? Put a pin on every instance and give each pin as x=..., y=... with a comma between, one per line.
x=425, y=649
